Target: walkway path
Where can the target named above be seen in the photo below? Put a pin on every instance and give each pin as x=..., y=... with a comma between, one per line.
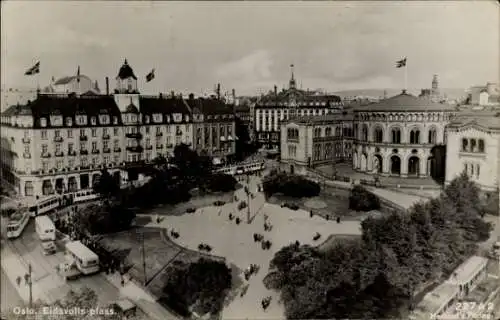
x=212, y=226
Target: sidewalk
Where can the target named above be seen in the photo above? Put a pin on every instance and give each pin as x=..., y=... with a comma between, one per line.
x=141, y=298
x=14, y=267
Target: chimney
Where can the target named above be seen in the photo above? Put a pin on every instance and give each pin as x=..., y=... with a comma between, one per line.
x=172, y=93
x=191, y=96
x=218, y=90
x=275, y=90
x=107, y=86
x=161, y=95
x=234, y=94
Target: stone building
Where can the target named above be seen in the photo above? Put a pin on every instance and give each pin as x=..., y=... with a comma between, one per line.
x=401, y=136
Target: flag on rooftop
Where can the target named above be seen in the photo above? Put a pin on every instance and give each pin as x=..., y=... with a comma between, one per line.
x=150, y=76
x=33, y=70
x=401, y=63
x=78, y=74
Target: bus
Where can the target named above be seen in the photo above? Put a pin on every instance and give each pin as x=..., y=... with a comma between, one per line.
x=45, y=228
x=45, y=205
x=17, y=222
x=86, y=261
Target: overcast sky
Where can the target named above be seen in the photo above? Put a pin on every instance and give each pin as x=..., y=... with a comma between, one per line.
x=249, y=46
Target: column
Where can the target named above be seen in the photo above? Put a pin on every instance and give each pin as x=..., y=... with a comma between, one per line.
x=423, y=167
x=404, y=166
x=386, y=161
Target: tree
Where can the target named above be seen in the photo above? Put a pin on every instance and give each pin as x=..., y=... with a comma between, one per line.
x=361, y=199
x=85, y=299
x=101, y=219
x=106, y=185
x=202, y=285
x=290, y=185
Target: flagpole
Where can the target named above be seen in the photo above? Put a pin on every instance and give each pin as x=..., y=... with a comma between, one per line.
x=406, y=76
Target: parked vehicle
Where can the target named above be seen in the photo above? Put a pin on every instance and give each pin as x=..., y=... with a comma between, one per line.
x=86, y=261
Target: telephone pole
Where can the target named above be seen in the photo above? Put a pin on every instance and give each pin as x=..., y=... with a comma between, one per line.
x=143, y=259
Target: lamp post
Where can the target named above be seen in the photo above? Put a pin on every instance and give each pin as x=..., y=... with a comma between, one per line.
x=29, y=283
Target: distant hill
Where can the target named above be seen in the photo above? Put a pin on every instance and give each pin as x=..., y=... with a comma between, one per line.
x=451, y=93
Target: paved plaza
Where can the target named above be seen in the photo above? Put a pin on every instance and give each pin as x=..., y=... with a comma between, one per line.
x=211, y=225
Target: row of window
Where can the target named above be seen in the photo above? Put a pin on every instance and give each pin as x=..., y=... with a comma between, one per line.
x=105, y=119
x=345, y=131
x=414, y=138
x=329, y=151
x=302, y=112
x=435, y=117
x=472, y=145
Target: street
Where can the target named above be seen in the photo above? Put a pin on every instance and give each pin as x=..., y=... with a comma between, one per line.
x=46, y=282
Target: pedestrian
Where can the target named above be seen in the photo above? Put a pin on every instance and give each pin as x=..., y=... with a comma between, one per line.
x=311, y=214
x=18, y=281
x=338, y=219
x=327, y=217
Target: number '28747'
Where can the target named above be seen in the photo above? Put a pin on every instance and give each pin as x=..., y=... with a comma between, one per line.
x=474, y=307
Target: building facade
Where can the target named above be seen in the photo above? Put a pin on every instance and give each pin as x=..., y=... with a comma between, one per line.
x=60, y=142
x=401, y=136
x=316, y=140
x=276, y=106
x=473, y=146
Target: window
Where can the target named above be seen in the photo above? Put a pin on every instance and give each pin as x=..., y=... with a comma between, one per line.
x=415, y=136
x=84, y=162
x=115, y=144
x=43, y=122
x=69, y=122
x=105, y=144
x=70, y=133
x=45, y=148
x=465, y=145
x=115, y=120
x=58, y=147
x=82, y=132
x=44, y=134
x=328, y=132
x=93, y=121
x=70, y=147
x=477, y=171
x=472, y=145
x=59, y=164
x=379, y=135
x=45, y=166
x=115, y=131
x=26, y=148
x=147, y=129
x=82, y=145
x=293, y=134
x=364, y=134
x=71, y=163
x=481, y=145
x=94, y=161
x=106, y=159
x=94, y=145
x=94, y=132
x=396, y=135
x=431, y=139
x=57, y=133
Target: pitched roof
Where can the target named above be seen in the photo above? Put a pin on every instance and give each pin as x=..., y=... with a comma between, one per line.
x=151, y=105
x=301, y=96
x=405, y=102
x=484, y=119
x=209, y=106
x=66, y=80
x=126, y=71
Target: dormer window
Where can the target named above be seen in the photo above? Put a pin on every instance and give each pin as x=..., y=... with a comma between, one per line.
x=43, y=122
x=81, y=120
x=69, y=122
x=115, y=120
x=93, y=121
x=157, y=117
x=168, y=118
x=104, y=119
x=146, y=119
x=187, y=118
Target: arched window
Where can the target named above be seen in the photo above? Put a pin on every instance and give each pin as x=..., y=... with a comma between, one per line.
x=396, y=135
x=415, y=136
x=378, y=135
x=473, y=145
x=465, y=145
x=365, y=133
x=432, y=136
x=481, y=146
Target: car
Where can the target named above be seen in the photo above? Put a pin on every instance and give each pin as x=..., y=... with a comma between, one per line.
x=49, y=247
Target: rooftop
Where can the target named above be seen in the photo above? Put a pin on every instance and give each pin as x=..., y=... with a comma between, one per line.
x=485, y=119
x=66, y=80
x=467, y=270
x=126, y=71
x=329, y=118
x=435, y=300
x=405, y=102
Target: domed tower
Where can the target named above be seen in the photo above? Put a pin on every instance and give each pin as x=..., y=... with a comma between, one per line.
x=126, y=81
x=126, y=92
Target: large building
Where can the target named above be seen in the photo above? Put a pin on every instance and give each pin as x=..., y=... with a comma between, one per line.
x=316, y=140
x=473, y=146
x=287, y=104
x=61, y=141
x=401, y=136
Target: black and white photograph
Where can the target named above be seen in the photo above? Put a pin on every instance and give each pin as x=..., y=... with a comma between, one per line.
x=250, y=160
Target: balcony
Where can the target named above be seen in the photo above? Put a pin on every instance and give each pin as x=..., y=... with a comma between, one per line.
x=26, y=140
x=105, y=137
x=159, y=134
x=135, y=149
x=83, y=138
x=95, y=151
x=46, y=155
x=106, y=150
x=159, y=146
x=84, y=152
x=134, y=135
x=26, y=156
x=58, y=139
x=72, y=153
x=150, y=147
x=117, y=150
x=84, y=167
x=59, y=154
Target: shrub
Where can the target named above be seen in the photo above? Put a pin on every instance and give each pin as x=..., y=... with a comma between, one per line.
x=290, y=185
x=361, y=199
